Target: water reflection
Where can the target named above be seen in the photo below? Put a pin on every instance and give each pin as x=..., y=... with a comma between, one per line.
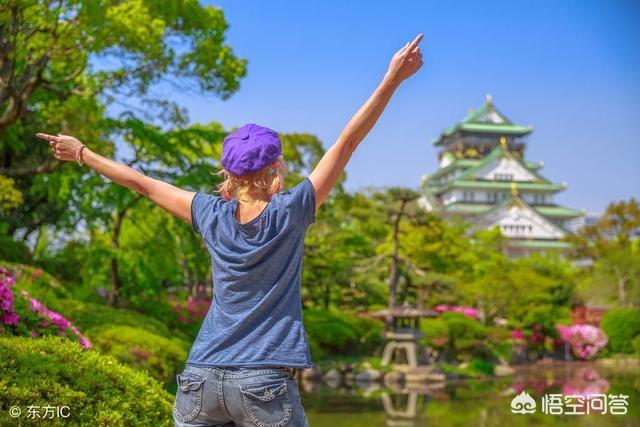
x=403, y=409
x=574, y=379
x=339, y=402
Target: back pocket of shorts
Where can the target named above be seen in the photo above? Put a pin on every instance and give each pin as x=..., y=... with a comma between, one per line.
x=267, y=403
x=188, y=396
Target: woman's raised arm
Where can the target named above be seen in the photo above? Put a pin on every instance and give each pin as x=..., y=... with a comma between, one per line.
x=174, y=200
x=403, y=65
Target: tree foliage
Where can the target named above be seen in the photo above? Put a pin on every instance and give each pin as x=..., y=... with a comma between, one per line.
x=612, y=247
x=70, y=65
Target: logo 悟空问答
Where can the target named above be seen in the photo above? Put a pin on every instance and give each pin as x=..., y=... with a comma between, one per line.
x=523, y=404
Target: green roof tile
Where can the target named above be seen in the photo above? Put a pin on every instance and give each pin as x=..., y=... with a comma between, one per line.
x=547, y=211
x=559, y=211
x=506, y=185
x=463, y=208
x=486, y=119
x=550, y=244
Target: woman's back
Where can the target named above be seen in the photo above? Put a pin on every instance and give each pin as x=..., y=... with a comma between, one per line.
x=255, y=318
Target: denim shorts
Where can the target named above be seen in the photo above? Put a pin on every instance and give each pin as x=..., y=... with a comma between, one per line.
x=255, y=397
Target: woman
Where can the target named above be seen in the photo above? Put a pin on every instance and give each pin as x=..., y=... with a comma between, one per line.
x=242, y=366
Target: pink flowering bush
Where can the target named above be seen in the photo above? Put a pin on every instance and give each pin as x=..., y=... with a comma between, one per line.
x=517, y=335
x=467, y=311
x=8, y=317
x=191, y=311
x=34, y=319
x=585, y=340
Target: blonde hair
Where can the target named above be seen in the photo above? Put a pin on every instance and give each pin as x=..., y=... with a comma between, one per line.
x=249, y=187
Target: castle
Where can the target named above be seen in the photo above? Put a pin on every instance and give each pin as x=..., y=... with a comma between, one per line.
x=484, y=177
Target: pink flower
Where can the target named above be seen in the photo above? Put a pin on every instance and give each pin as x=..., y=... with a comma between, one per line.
x=467, y=311
x=10, y=318
x=470, y=312
x=36, y=306
x=585, y=340
x=517, y=334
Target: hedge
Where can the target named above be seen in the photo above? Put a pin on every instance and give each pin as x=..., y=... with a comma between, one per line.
x=333, y=333
x=98, y=390
x=160, y=357
x=621, y=325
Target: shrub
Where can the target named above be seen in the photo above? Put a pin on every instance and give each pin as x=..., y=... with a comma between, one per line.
x=621, y=325
x=636, y=345
x=98, y=390
x=457, y=336
x=26, y=316
x=481, y=366
x=500, y=342
x=465, y=334
x=88, y=316
x=461, y=326
x=369, y=334
x=38, y=283
x=13, y=251
x=338, y=333
x=436, y=333
x=585, y=340
x=161, y=357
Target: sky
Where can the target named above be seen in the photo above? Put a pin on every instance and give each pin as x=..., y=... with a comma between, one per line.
x=571, y=69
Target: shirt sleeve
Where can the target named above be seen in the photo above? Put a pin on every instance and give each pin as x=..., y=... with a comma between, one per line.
x=302, y=202
x=203, y=210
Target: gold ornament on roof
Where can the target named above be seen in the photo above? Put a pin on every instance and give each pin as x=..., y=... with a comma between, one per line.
x=514, y=189
x=489, y=99
x=471, y=152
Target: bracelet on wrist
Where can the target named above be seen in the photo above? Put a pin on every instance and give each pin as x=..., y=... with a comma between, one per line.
x=79, y=154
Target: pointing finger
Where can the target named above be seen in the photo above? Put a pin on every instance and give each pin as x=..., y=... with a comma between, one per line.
x=47, y=137
x=415, y=42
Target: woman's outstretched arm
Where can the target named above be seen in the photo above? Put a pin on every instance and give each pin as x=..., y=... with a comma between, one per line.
x=403, y=65
x=174, y=200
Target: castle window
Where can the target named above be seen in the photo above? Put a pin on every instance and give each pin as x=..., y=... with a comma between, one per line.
x=468, y=196
x=517, y=229
x=503, y=177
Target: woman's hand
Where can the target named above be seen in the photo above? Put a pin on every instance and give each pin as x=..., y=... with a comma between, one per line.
x=173, y=199
x=64, y=147
x=325, y=175
x=405, y=62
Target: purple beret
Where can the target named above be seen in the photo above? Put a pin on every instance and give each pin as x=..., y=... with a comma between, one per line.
x=249, y=149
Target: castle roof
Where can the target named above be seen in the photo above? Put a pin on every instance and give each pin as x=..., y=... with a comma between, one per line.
x=486, y=119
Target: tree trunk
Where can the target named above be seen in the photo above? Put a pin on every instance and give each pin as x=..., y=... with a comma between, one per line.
x=393, y=271
x=116, y=282
x=622, y=294
x=327, y=295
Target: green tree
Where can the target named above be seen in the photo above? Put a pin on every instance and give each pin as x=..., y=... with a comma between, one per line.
x=612, y=246
x=65, y=64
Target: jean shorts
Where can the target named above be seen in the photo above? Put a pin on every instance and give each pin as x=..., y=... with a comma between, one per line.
x=255, y=397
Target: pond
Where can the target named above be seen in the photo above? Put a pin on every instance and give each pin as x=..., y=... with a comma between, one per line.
x=487, y=402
